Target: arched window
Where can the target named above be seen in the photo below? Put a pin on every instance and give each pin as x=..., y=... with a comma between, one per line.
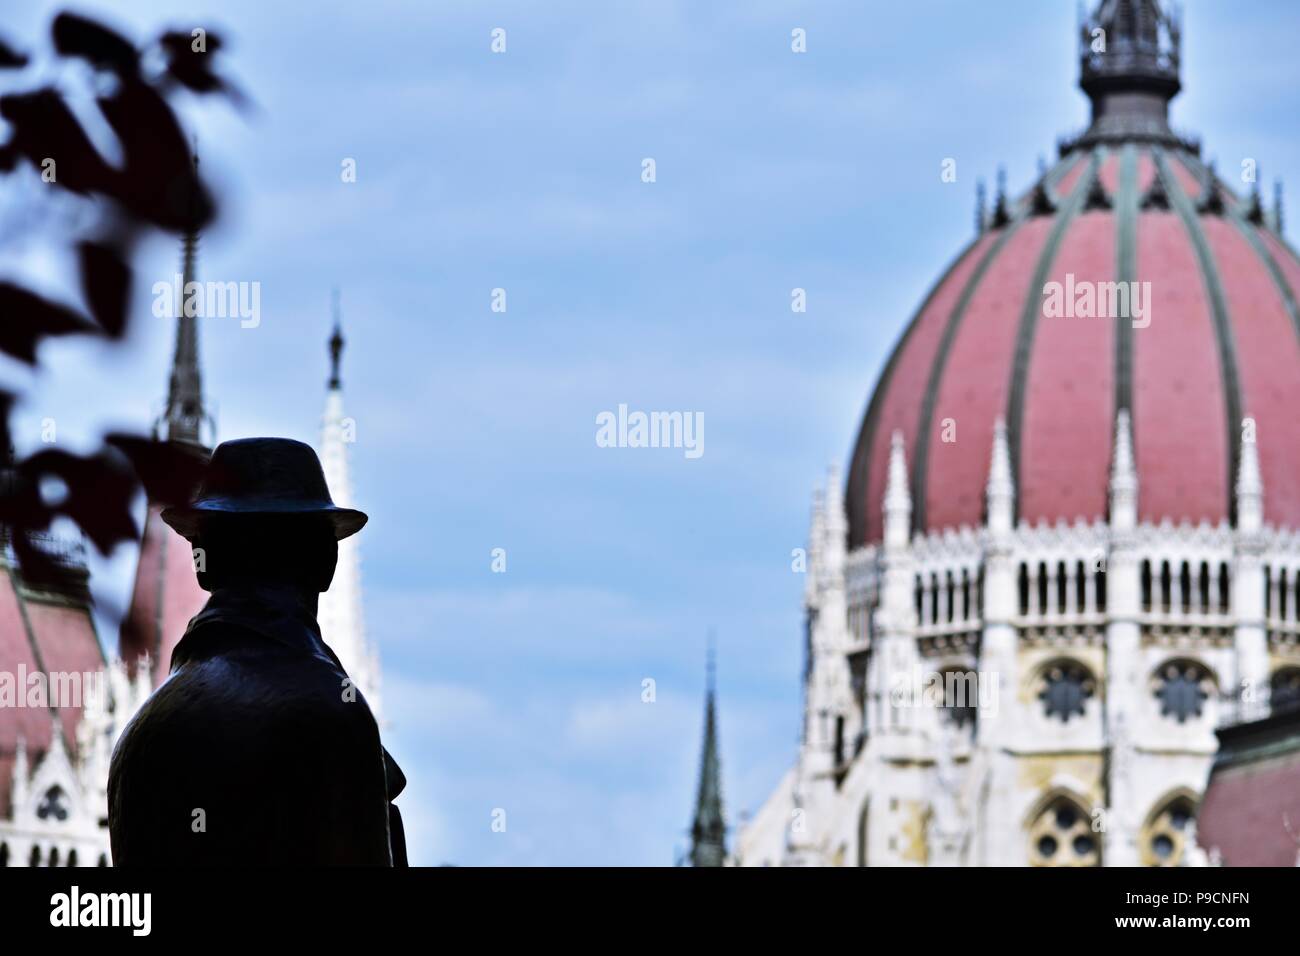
x=34, y=860
x=1205, y=587
x=1146, y=585
x=1223, y=588
x=54, y=856
x=1166, y=587
x=72, y=857
x=1282, y=594
x=1080, y=588
x=1163, y=840
x=1099, y=578
x=951, y=592
x=965, y=594
x=1023, y=584
x=1065, y=687
x=1181, y=688
x=103, y=860
x=920, y=618
x=1268, y=591
x=1284, y=690
x=1042, y=587
x=1185, y=586
x=4, y=855
x=1062, y=835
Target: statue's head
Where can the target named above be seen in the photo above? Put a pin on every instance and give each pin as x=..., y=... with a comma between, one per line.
x=263, y=515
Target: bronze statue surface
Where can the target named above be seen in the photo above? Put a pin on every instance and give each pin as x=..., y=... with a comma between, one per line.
x=257, y=749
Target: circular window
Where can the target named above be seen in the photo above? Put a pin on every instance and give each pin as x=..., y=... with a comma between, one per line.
x=1064, y=688
x=1181, y=689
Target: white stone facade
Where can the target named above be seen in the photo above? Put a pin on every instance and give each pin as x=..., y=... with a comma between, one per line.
x=60, y=805
x=1103, y=655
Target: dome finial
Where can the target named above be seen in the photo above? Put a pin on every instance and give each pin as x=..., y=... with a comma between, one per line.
x=1128, y=65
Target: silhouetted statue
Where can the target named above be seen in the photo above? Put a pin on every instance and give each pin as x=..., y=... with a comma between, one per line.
x=257, y=749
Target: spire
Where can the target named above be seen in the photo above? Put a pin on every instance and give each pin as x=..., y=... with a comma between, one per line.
x=1000, y=491
x=341, y=619
x=184, y=415
x=1277, y=206
x=1128, y=65
x=1211, y=200
x=336, y=345
x=1000, y=214
x=898, y=500
x=708, y=830
x=1255, y=210
x=1123, y=475
x=1250, y=483
x=980, y=214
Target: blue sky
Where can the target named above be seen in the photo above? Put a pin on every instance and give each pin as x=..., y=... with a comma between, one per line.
x=475, y=429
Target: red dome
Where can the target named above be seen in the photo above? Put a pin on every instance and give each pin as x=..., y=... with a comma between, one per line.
x=1127, y=202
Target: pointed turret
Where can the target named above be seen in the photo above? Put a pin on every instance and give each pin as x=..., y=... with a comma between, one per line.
x=1001, y=214
x=341, y=619
x=898, y=499
x=1000, y=491
x=184, y=416
x=1250, y=483
x=1277, y=206
x=1123, y=476
x=709, y=829
x=166, y=593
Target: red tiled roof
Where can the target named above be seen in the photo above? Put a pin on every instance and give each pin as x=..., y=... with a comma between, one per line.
x=1251, y=809
x=166, y=596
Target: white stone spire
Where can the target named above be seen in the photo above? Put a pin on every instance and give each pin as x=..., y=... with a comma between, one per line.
x=341, y=620
x=1123, y=476
x=1250, y=484
x=1000, y=491
x=898, y=499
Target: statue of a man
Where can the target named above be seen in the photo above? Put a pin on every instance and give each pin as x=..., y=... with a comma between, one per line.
x=257, y=749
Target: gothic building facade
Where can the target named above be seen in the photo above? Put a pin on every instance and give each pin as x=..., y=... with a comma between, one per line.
x=54, y=757
x=1068, y=547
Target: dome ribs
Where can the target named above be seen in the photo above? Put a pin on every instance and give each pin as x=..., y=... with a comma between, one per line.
x=1126, y=213
x=1228, y=368
x=1069, y=420
x=910, y=356
x=1032, y=310
x=1265, y=320
x=925, y=423
x=896, y=400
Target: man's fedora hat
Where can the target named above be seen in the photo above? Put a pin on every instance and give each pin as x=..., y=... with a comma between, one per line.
x=262, y=476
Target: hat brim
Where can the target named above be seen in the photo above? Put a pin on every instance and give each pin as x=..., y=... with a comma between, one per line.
x=187, y=520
